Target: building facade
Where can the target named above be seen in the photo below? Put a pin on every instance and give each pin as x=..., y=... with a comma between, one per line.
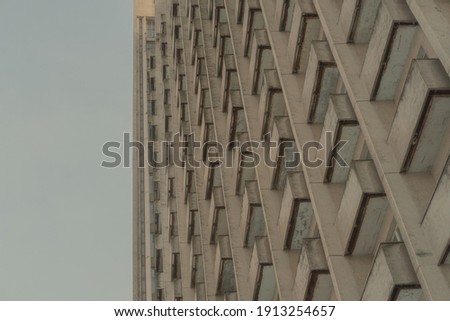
x=292, y=150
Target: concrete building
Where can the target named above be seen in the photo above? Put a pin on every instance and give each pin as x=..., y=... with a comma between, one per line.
x=312, y=73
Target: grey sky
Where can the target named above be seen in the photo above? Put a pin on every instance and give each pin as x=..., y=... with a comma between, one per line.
x=65, y=89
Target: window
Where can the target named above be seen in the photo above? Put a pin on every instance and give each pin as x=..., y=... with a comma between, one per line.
x=175, y=9
x=152, y=62
x=168, y=122
x=179, y=56
x=157, y=224
x=150, y=45
x=166, y=96
x=150, y=28
x=183, y=112
x=171, y=186
x=299, y=224
x=163, y=28
x=176, y=273
x=407, y=292
x=286, y=15
x=191, y=224
x=181, y=82
x=164, y=49
x=165, y=71
x=446, y=257
x=315, y=279
x=177, y=32
x=172, y=223
x=159, y=261
x=212, y=178
x=151, y=84
x=361, y=216
x=153, y=133
x=189, y=184
x=160, y=294
x=153, y=161
x=156, y=190
x=151, y=107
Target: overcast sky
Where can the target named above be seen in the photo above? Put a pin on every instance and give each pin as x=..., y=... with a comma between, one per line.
x=65, y=89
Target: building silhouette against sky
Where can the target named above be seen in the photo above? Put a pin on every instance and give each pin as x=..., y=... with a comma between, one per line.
x=346, y=199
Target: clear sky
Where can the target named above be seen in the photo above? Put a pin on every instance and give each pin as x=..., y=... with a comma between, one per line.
x=65, y=89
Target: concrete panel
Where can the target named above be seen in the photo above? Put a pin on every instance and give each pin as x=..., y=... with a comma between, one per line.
x=261, y=59
x=391, y=272
x=217, y=216
x=230, y=81
x=357, y=19
x=271, y=102
x=362, y=210
x=312, y=271
x=224, y=47
x=422, y=116
x=305, y=29
x=340, y=120
x=296, y=212
x=437, y=219
x=253, y=20
x=235, y=108
x=394, y=30
x=320, y=81
x=252, y=218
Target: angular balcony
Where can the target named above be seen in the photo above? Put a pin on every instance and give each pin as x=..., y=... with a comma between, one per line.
x=219, y=17
x=207, y=128
x=200, y=292
x=253, y=224
x=225, y=47
x=175, y=266
x=203, y=98
x=217, y=216
x=197, y=275
x=223, y=267
x=284, y=13
x=212, y=179
x=173, y=224
x=183, y=111
x=389, y=46
x=193, y=12
x=313, y=280
x=271, y=102
x=189, y=184
x=243, y=169
x=199, y=66
x=437, y=220
x=357, y=19
x=305, y=29
x=320, y=81
x=282, y=155
x=296, y=213
x=236, y=123
x=261, y=59
x=230, y=81
x=252, y=20
x=175, y=244
x=262, y=278
x=340, y=122
x=196, y=29
x=420, y=126
x=363, y=208
x=192, y=219
x=392, y=276
x=177, y=290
